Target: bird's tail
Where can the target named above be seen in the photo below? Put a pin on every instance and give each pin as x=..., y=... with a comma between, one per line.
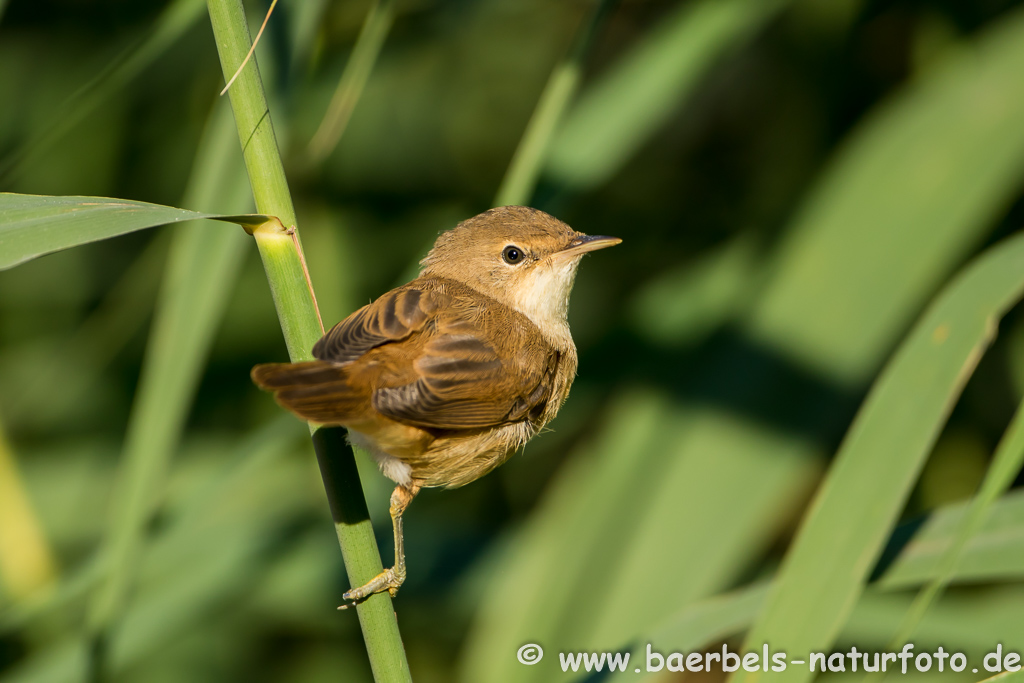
x=314, y=390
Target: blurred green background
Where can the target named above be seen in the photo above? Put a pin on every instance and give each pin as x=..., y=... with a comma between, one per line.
x=793, y=180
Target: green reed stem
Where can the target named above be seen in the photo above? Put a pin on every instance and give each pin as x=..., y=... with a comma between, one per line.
x=300, y=325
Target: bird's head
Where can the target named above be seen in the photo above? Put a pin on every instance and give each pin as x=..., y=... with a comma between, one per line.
x=519, y=256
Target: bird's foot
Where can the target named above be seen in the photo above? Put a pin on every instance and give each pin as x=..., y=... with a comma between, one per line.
x=388, y=580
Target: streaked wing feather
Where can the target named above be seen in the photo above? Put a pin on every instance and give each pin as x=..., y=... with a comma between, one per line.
x=465, y=384
x=315, y=390
x=392, y=317
x=450, y=376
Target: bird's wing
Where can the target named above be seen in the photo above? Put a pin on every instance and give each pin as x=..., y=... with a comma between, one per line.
x=422, y=355
x=393, y=317
x=324, y=390
x=464, y=382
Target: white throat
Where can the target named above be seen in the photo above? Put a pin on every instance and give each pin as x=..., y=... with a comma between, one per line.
x=543, y=297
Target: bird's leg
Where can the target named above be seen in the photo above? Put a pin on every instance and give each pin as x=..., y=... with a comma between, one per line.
x=390, y=579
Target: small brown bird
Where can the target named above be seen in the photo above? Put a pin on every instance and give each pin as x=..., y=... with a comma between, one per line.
x=443, y=378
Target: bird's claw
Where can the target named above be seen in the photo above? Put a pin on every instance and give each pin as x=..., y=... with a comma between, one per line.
x=388, y=580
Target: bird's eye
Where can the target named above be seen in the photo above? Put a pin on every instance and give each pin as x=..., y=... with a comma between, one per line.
x=512, y=255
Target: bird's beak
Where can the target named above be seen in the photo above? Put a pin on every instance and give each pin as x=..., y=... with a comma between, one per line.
x=585, y=243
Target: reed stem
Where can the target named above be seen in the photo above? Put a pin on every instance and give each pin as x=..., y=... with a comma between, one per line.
x=299, y=323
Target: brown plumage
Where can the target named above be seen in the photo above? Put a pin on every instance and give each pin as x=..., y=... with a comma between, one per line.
x=443, y=378
x=417, y=373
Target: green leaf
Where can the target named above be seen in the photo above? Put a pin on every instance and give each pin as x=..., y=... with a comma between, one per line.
x=66, y=373
x=591, y=501
x=1006, y=464
x=916, y=185
x=879, y=460
x=27, y=563
x=357, y=72
x=581, y=575
x=211, y=551
x=520, y=178
x=994, y=552
x=1007, y=677
x=624, y=107
x=694, y=627
x=33, y=225
x=754, y=485
x=173, y=22
x=1001, y=540
x=200, y=275
x=970, y=621
x=685, y=304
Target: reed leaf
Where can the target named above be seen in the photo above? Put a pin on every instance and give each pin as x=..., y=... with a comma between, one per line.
x=916, y=185
x=842, y=535
x=34, y=225
x=624, y=107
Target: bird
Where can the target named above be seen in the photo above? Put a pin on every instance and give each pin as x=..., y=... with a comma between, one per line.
x=442, y=379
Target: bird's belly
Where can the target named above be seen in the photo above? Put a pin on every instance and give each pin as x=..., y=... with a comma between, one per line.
x=406, y=454
x=392, y=445
x=393, y=468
